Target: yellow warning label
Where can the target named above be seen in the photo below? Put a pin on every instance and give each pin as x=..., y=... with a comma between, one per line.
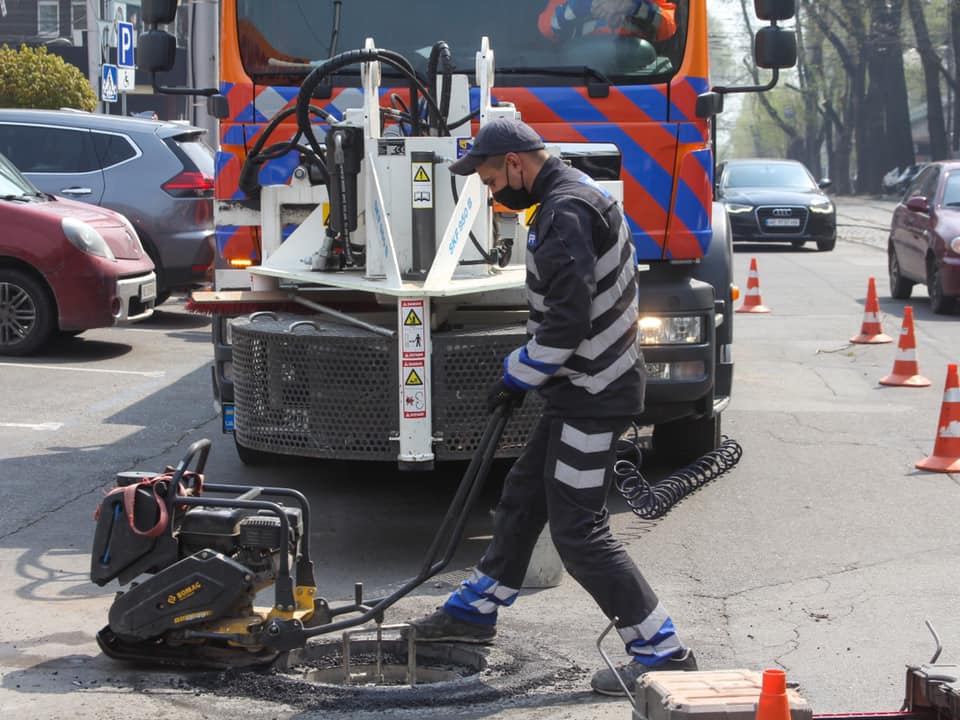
x=412, y=319
x=413, y=379
x=421, y=175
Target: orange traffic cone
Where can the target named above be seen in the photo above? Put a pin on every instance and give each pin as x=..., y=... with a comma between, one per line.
x=751, y=301
x=773, y=703
x=906, y=371
x=871, y=332
x=946, y=448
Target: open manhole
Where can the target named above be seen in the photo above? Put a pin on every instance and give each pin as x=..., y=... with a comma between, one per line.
x=362, y=663
x=315, y=677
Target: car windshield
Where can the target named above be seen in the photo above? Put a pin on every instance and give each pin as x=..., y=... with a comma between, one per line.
x=12, y=183
x=951, y=190
x=780, y=175
x=528, y=51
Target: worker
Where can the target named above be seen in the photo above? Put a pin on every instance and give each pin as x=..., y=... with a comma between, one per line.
x=583, y=358
x=650, y=19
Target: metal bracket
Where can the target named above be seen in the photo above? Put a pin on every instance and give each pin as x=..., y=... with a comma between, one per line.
x=379, y=628
x=609, y=663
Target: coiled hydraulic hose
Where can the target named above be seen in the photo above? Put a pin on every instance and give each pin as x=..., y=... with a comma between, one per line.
x=652, y=501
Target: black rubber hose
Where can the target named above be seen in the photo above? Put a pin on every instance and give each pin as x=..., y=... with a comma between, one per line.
x=353, y=57
x=440, y=51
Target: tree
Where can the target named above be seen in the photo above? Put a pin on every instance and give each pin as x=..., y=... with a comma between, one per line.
x=32, y=78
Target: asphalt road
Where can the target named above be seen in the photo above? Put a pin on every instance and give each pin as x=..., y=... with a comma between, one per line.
x=823, y=552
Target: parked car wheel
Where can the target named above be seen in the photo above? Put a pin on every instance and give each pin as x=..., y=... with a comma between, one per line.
x=900, y=287
x=826, y=244
x=26, y=313
x=939, y=302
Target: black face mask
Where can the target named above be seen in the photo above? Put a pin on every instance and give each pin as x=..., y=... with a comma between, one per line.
x=514, y=199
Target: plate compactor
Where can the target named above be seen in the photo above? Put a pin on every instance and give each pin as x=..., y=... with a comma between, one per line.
x=193, y=556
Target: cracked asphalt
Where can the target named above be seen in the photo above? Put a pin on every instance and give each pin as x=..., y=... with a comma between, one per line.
x=823, y=552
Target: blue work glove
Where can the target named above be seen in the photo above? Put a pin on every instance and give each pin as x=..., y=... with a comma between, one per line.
x=500, y=393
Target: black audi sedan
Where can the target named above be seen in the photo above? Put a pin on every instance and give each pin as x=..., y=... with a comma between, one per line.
x=776, y=201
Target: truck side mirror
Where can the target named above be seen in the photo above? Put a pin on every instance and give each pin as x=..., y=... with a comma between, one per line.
x=774, y=10
x=156, y=51
x=709, y=104
x=159, y=11
x=775, y=48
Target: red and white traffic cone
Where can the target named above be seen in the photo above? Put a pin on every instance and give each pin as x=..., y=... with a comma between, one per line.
x=906, y=370
x=751, y=300
x=871, y=331
x=946, y=448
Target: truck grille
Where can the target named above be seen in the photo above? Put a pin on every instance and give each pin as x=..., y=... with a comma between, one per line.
x=329, y=390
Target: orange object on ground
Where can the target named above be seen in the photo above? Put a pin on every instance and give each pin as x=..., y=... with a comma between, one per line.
x=906, y=370
x=946, y=448
x=773, y=703
x=871, y=332
x=751, y=300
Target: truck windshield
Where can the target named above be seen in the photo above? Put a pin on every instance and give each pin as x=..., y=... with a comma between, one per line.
x=528, y=50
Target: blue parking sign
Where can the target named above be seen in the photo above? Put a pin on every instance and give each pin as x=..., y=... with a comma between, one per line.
x=108, y=83
x=125, y=44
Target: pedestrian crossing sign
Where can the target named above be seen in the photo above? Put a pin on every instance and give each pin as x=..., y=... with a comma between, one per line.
x=108, y=83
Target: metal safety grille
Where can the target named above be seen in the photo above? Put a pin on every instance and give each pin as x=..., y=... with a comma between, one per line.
x=465, y=364
x=314, y=387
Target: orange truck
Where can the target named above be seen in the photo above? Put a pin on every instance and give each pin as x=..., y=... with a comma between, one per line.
x=364, y=298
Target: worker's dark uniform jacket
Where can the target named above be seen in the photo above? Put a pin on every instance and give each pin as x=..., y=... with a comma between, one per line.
x=582, y=354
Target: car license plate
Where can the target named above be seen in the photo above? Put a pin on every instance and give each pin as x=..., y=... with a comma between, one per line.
x=783, y=222
x=227, y=418
x=148, y=291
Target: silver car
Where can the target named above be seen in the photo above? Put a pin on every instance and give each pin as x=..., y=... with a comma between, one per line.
x=159, y=174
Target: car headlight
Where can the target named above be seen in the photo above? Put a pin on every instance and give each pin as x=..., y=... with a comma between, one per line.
x=133, y=232
x=955, y=245
x=823, y=207
x=85, y=238
x=669, y=330
x=737, y=208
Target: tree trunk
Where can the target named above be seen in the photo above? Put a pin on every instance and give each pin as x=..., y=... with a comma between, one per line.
x=936, y=126
x=955, y=40
x=886, y=140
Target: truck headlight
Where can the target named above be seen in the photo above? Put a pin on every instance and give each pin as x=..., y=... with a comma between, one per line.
x=85, y=238
x=681, y=330
x=738, y=208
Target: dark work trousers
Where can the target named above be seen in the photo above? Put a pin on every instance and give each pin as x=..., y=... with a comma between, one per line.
x=563, y=476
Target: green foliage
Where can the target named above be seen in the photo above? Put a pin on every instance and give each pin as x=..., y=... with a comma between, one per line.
x=32, y=78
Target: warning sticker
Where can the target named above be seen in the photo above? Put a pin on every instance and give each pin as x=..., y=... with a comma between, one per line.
x=411, y=312
x=422, y=185
x=414, y=390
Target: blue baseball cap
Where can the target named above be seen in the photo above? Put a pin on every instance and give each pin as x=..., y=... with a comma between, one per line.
x=497, y=137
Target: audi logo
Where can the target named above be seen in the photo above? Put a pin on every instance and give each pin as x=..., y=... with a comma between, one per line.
x=782, y=212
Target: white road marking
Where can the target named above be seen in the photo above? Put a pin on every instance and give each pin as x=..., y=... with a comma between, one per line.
x=33, y=426
x=150, y=374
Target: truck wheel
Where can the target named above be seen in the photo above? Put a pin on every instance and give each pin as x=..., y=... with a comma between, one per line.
x=27, y=319
x=682, y=441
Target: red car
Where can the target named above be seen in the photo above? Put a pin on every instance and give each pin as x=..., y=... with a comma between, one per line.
x=65, y=267
x=924, y=244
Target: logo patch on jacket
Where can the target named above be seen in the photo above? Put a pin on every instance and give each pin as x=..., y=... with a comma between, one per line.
x=531, y=240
